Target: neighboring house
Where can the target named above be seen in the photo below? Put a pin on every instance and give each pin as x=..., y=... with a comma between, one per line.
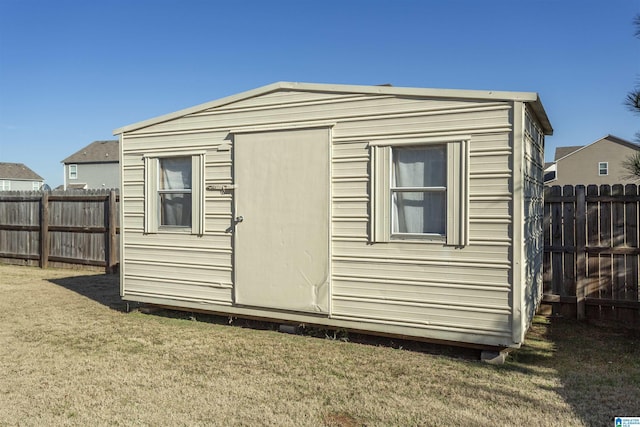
x=600, y=162
x=407, y=211
x=18, y=177
x=93, y=167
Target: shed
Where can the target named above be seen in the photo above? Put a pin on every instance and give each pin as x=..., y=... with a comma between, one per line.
x=406, y=211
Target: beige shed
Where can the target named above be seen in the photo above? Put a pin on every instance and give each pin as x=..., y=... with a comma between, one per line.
x=407, y=211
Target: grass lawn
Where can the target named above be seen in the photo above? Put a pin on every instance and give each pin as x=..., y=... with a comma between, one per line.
x=70, y=354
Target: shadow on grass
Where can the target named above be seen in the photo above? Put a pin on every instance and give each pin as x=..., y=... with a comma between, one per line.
x=320, y=332
x=102, y=288
x=598, y=367
x=105, y=289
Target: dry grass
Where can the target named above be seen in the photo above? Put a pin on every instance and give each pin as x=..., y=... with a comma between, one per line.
x=69, y=354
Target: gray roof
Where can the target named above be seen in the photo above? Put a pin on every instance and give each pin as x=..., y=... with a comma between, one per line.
x=563, y=151
x=96, y=152
x=18, y=171
x=76, y=186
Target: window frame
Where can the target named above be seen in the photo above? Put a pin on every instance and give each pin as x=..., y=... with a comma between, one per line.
x=152, y=191
x=456, y=195
x=73, y=171
x=606, y=168
x=5, y=185
x=35, y=186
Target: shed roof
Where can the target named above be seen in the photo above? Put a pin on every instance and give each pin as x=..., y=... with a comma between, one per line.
x=19, y=172
x=562, y=152
x=530, y=97
x=96, y=152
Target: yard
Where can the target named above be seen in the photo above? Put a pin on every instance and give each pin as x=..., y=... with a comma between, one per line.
x=70, y=354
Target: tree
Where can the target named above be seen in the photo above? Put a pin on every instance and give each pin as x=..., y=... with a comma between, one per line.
x=632, y=163
x=633, y=98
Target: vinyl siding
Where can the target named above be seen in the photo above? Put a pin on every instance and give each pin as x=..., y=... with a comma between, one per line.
x=581, y=167
x=533, y=189
x=20, y=185
x=441, y=292
x=95, y=175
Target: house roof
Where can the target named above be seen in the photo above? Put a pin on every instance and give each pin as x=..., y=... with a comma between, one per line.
x=80, y=186
x=530, y=97
x=96, y=152
x=19, y=172
x=562, y=152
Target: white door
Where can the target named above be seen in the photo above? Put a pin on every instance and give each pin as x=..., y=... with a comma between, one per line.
x=281, y=242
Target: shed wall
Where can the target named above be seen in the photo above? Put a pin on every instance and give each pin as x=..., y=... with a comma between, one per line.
x=533, y=212
x=440, y=291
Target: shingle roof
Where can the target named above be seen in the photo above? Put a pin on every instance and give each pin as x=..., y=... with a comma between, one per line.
x=18, y=171
x=96, y=152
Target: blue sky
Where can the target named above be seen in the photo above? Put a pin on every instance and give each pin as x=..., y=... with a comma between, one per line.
x=73, y=71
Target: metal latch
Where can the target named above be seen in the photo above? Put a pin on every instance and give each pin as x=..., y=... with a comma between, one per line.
x=223, y=188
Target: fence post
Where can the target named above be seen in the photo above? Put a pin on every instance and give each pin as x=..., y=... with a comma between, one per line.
x=581, y=256
x=44, y=230
x=110, y=241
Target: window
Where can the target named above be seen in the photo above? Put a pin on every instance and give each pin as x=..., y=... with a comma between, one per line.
x=5, y=185
x=419, y=190
x=73, y=171
x=174, y=193
x=603, y=168
x=35, y=186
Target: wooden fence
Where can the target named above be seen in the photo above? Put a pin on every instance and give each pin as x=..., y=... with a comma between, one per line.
x=591, y=251
x=73, y=227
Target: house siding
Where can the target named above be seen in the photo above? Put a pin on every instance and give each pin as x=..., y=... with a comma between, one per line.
x=20, y=185
x=422, y=289
x=581, y=167
x=95, y=175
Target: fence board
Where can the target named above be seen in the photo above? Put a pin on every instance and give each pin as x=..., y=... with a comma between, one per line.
x=580, y=245
x=631, y=240
x=568, y=234
x=556, y=240
x=606, y=241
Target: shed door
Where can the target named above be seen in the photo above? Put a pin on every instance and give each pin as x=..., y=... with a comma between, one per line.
x=281, y=246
